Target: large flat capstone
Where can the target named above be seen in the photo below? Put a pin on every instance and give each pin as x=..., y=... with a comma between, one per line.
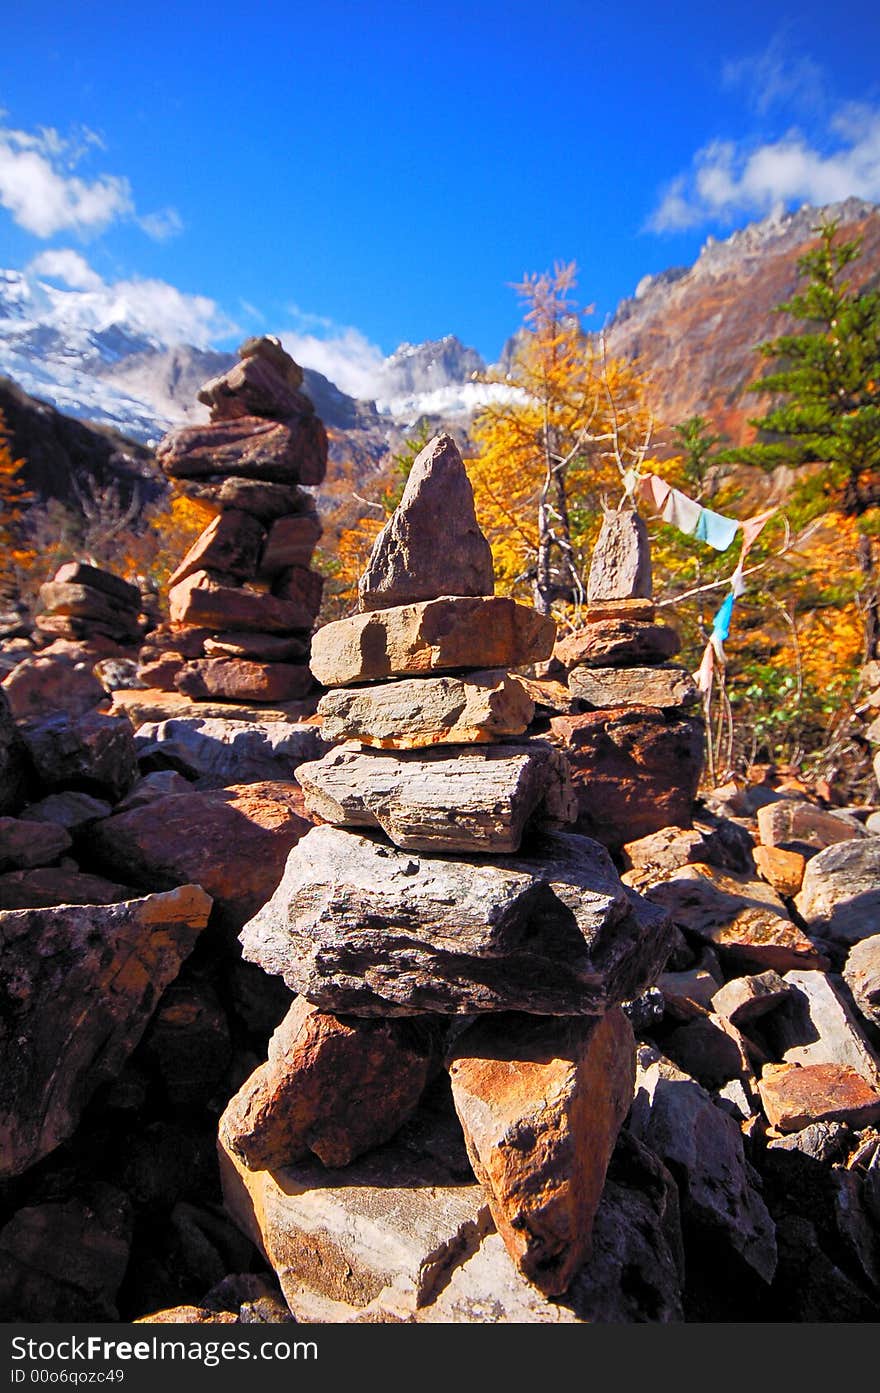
x=359, y=926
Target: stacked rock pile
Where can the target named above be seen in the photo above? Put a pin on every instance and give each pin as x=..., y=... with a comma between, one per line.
x=636, y=746
x=244, y=598
x=84, y=603
x=440, y=924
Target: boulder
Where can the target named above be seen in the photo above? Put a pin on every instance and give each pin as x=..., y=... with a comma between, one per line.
x=665, y=686
x=159, y=784
x=713, y=842
x=840, y=895
x=229, y=546
x=618, y=643
x=188, y=1041
x=63, y=1260
x=818, y=1027
x=402, y=1217
x=78, y=601
x=744, y=919
x=797, y=825
x=262, y=500
x=13, y=759
x=434, y=636
x=862, y=976
x=230, y=752
x=424, y=711
x=276, y=452
x=702, y=1146
x=70, y=809
x=300, y=586
x=161, y=672
x=432, y=544
x=634, y=1273
x=103, y=969
x=743, y=1000
x=451, y=800
x=358, y=926
x=240, y=679
x=709, y=1049
x=541, y=1103
x=264, y=648
x=42, y=686
x=794, y=1096
x=93, y=752
x=202, y=601
x=55, y=885
x=186, y=639
x=784, y=870
x=635, y=769
x=256, y=386
x=25, y=844
x=96, y=578
x=620, y=567
x=291, y=542
x=689, y=992
x=232, y=841
x=331, y=1087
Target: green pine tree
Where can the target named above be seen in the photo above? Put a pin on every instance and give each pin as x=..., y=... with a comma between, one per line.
x=827, y=377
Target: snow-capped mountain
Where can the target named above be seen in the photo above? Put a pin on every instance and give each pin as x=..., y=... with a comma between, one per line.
x=91, y=354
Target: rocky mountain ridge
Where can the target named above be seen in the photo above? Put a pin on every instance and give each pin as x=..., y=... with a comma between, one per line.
x=695, y=330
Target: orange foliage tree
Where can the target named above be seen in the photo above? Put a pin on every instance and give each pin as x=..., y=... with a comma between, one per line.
x=564, y=424
x=16, y=556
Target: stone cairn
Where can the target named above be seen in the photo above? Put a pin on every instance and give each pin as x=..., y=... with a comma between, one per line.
x=244, y=599
x=83, y=603
x=635, y=746
x=436, y=922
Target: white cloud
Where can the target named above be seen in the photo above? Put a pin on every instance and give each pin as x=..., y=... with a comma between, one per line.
x=731, y=178
x=153, y=307
x=778, y=76
x=66, y=266
x=164, y=223
x=43, y=197
x=39, y=189
x=169, y=314
x=346, y=356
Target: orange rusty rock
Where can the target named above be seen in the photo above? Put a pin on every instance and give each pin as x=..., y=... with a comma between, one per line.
x=541, y=1101
x=332, y=1086
x=784, y=870
x=795, y=1095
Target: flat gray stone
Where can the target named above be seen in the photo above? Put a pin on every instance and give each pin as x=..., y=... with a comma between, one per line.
x=818, y=1027
x=231, y=752
x=702, y=1145
x=840, y=895
x=447, y=800
x=432, y=544
x=422, y=711
x=862, y=976
x=359, y=926
x=665, y=686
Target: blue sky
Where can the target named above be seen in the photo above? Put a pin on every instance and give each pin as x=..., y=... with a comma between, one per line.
x=353, y=175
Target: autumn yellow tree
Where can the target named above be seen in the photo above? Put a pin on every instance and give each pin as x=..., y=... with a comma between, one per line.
x=564, y=424
x=16, y=555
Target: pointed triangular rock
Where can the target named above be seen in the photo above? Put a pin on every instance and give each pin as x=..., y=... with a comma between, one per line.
x=620, y=568
x=432, y=545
